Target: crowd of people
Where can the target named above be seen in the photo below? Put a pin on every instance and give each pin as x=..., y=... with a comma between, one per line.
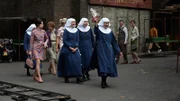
x=73, y=50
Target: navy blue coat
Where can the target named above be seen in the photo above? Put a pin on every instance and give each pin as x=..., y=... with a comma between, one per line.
x=26, y=42
x=69, y=64
x=104, y=54
x=86, y=45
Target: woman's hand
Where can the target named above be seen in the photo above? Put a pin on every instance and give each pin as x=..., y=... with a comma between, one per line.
x=121, y=54
x=57, y=50
x=45, y=45
x=73, y=49
x=27, y=52
x=30, y=53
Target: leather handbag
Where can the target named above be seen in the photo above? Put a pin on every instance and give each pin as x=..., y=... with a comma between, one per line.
x=29, y=62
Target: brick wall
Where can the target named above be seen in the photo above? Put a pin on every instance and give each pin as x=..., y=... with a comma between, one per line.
x=10, y=8
x=62, y=8
x=83, y=8
x=38, y=8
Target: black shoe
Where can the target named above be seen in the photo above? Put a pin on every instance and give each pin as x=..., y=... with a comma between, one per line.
x=66, y=80
x=87, y=76
x=103, y=85
x=28, y=74
x=41, y=74
x=79, y=80
x=117, y=60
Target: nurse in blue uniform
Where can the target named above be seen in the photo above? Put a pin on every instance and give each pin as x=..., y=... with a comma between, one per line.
x=86, y=43
x=69, y=63
x=106, y=51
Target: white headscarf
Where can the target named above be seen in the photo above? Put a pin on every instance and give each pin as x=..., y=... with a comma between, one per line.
x=30, y=28
x=101, y=26
x=68, y=26
x=81, y=27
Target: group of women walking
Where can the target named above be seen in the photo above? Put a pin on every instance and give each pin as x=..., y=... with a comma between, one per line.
x=75, y=50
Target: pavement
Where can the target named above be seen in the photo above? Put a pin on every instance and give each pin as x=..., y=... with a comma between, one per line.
x=154, y=79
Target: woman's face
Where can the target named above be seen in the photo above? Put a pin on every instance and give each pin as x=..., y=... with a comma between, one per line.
x=41, y=25
x=85, y=23
x=132, y=24
x=97, y=18
x=73, y=24
x=50, y=28
x=106, y=24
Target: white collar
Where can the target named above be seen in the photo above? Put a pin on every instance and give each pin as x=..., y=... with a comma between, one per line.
x=84, y=29
x=105, y=31
x=30, y=28
x=71, y=30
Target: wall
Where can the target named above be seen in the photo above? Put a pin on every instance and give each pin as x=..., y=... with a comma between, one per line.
x=83, y=8
x=62, y=9
x=10, y=8
x=116, y=14
x=38, y=8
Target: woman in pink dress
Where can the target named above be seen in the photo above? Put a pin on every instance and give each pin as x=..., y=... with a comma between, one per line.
x=59, y=39
x=38, y=43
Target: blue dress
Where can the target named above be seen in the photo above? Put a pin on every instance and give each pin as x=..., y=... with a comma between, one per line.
x=86, y=44
x=69, y=63
x=27, y=48
x=104, y=54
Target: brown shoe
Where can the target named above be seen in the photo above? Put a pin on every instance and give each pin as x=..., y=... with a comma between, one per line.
x=133, y=62
x=125, y=62
x=138, y=62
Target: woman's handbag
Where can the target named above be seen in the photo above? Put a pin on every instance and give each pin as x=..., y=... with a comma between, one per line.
x=29, y=62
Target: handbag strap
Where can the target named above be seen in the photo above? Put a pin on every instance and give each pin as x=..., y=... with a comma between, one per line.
x=30, y=56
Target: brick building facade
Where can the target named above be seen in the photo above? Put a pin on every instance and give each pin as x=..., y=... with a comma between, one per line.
x=55, y=9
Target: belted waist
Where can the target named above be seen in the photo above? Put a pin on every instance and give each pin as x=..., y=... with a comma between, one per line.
x=121, y=34
x=53, y=40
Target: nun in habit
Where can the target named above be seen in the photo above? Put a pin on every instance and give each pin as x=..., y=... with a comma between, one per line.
x=105, y=51
x=69, y=63
x=86, y=44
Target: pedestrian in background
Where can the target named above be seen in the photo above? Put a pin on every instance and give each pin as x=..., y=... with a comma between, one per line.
x=51, y=50
x=122, y=41
x=153, y=34
x=59, y=37
x=134, y=38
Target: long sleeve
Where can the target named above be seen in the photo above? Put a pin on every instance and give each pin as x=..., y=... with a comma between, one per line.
x=92, y=38
x=96, y=31
x=137, y=33
x=126, y=34
x=65, y=39
x=77, y=40
x=31, y=41
x=26, y=42
x=46, y=38
x=115, y=45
